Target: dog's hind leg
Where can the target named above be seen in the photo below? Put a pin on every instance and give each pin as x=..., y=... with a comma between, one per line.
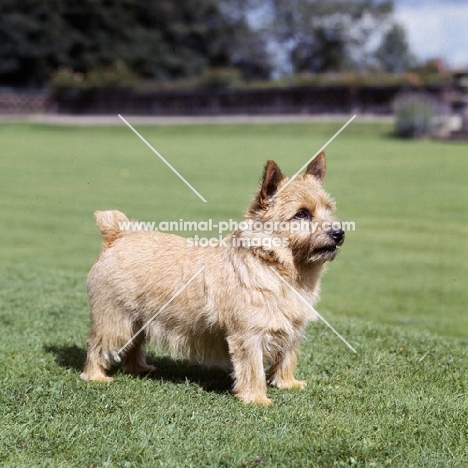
x=98, y=361
x=135, y=355
x=109, y=334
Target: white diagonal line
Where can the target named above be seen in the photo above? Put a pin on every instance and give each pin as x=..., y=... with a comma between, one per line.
x=161, y=309
x=310, y=307
x=162, y=159
x=315, y=155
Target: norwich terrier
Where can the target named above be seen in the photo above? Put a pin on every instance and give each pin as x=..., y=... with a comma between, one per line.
x=239, y=308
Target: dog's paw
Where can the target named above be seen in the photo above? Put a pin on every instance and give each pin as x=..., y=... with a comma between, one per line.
x=139, y=369
x=289, y=384
x=262, y=401
x=96, y=378
x=255, y=400
x=150, y=368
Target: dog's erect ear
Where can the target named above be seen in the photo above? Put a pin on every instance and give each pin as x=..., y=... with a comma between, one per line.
x=317, y=167
x=272, y=176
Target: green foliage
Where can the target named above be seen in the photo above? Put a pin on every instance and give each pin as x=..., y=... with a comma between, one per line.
x=393, y=53
x=233, y=78
x=166, y=40
x=159, y=39
x=433, y=72
x=323, y=36
x=32, y=40
x=220, y=78
x=414, y=115
x=355, y=79
x=397, y=292
x=115, y=77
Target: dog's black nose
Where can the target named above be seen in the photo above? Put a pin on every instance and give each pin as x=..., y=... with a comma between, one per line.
x=337, y=235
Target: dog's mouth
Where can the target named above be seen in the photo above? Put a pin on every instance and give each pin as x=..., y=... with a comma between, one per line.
x=326, y=253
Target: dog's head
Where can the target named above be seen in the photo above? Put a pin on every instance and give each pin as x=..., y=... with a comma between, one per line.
x=296, y=215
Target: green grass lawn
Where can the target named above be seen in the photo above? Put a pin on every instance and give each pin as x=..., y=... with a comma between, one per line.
x=397, y=292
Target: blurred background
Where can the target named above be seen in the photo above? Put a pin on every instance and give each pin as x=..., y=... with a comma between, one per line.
x=215, y=57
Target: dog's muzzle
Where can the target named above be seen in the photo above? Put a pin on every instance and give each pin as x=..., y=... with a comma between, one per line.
x=338, y=236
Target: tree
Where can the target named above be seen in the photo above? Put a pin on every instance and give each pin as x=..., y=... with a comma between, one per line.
x=31, y=37
x=393, y=54
x=323, y=35
x=153, y=38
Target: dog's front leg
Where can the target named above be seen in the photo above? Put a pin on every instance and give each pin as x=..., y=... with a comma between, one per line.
x=249, y=374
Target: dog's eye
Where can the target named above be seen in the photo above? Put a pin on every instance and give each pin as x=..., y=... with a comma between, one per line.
x=302, y=214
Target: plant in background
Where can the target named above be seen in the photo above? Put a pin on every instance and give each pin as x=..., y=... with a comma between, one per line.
x=220, y=78
x=393, y=54
x=115, y=77
x=414, y=115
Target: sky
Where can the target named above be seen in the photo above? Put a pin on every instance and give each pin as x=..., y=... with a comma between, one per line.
x=436, y=29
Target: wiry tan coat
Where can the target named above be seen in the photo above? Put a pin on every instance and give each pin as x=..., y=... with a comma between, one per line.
x=237, y=312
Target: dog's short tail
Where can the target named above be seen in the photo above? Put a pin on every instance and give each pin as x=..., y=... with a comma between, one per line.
x=112, y=225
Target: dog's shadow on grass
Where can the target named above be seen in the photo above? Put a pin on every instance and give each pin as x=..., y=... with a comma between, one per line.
x=210, y=379
x=69, y=357
x=167, y=369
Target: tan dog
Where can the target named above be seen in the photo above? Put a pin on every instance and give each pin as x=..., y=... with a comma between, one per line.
x=237, y=311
